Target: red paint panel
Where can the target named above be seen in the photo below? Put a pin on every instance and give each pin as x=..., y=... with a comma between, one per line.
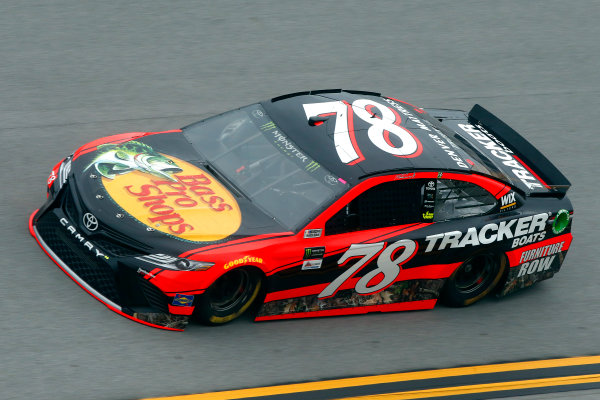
x=514, y=256
x=54, y=174
x=436, y=271
x=298, y=292
x=503, y=192
x=530, y=170
x=417, y=109
x=248, y=240
x=181, y=310
x=407, y=306
x=114, y=139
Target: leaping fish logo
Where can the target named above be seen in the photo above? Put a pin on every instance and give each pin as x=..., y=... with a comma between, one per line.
x=114, y=160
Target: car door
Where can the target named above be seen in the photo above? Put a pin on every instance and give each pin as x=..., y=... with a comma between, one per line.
x=363, y=238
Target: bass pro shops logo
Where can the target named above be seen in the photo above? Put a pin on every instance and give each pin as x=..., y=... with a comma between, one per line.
x=174, y=197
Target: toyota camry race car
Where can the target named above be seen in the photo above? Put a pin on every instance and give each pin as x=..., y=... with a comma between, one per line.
x=328, y=202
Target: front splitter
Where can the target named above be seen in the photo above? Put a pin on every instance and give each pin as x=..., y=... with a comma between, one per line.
x=156, y=320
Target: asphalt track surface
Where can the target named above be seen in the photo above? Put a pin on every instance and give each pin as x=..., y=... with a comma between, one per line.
x=72, y=71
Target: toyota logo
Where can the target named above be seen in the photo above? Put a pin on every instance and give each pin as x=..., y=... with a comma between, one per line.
x=90, y=221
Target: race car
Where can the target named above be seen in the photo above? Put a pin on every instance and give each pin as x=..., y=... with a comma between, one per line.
x=320, y=203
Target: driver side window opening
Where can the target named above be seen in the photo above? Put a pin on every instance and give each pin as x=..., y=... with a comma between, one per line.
x=459, y=199
x=387, y=204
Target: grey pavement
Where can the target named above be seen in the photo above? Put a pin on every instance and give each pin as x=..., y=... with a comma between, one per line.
x=75, y=70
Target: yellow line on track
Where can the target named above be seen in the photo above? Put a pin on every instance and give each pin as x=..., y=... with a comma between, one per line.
x=389, y=378
x=482, y=388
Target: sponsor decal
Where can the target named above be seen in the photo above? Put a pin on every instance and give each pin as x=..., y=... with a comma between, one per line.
x=508, y=202
x=81, y=239
x=428, y=205
x=314, y=252
x=384, y=121
x=489, y=233
x=312, y=166
x=242, y=261
x=288, y=148
x=267, y=126
x=542, y=264
x=113, y=160
x=561, y=221
x=90, y=221
x=183, y=300
x=446, y=144
x=389, y=265
x=405, y=176
x=191, y=205
x=312, y=233
x=500, y=151
x=408, y=115
x=330, y=179
x=541, y=251
x=258, y=114
x=312, y=264
x=536, y=237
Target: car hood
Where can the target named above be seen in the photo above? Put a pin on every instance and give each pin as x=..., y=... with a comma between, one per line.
x=156, y=190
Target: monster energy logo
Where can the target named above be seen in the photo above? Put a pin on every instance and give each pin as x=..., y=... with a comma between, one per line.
x=312, y=166
x=268, y=126
x=314, y=252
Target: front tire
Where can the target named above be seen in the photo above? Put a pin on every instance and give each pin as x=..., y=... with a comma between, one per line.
x=229, y=296
x=474, y=279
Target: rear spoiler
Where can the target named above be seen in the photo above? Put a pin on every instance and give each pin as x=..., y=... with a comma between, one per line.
x=550, y=176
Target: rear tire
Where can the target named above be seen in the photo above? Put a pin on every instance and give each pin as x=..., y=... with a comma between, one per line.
x=474, y=279
x=229, y=296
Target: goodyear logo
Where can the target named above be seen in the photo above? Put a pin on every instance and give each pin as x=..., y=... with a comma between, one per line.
x=193, y=206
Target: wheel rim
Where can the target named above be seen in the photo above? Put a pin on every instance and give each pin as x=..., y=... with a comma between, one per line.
x=230, y=291
x=475, y=273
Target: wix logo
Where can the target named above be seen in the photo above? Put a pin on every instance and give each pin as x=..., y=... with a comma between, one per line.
x=508, y=201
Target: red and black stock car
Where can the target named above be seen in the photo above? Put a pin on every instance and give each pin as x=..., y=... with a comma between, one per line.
x=328, y=202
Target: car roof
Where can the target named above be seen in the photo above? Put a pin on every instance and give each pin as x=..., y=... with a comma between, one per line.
x=437, y=152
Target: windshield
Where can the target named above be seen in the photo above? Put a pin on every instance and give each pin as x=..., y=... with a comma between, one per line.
x=248, y=148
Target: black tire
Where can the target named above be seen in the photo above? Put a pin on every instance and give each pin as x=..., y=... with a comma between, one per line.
x=229, y=296
x=474, y=279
